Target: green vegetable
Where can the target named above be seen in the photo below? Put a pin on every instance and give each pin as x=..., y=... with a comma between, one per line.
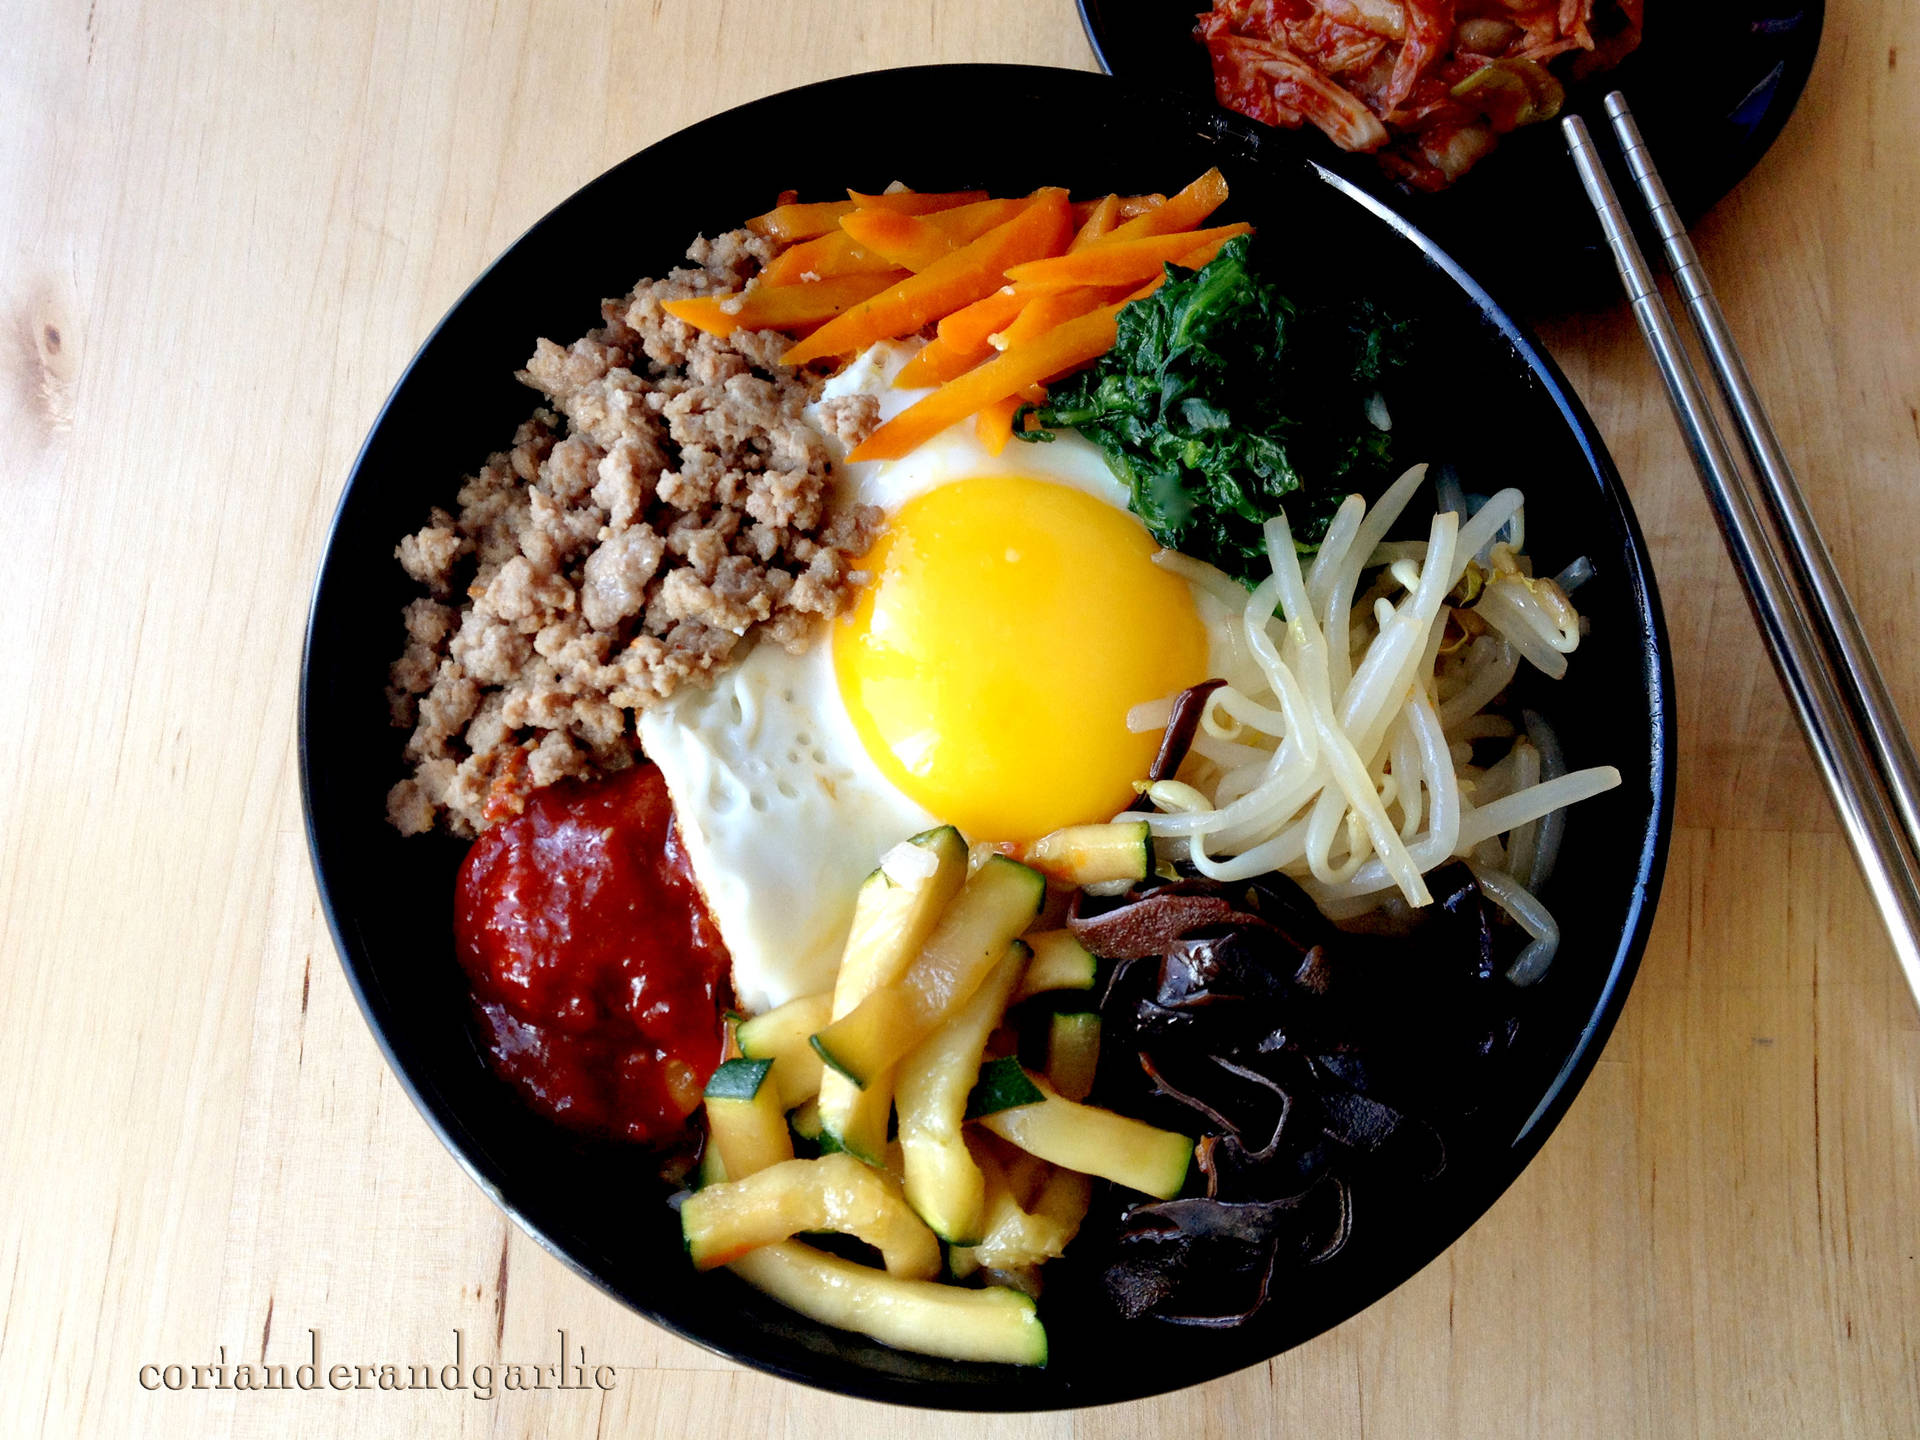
x=1096, y=1142
x=1073, y=1054
x=993, y=1324
x=996, y=903
x=1002, y=1086
x=1221, y=397
x=933, y=1084
x=747, y=1131
x=738, y=1079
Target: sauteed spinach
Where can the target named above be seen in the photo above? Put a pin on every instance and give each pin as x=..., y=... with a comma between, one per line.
x=1221, y=397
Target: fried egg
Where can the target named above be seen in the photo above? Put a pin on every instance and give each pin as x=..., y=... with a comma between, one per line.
x=982, y=678
x=781, y=813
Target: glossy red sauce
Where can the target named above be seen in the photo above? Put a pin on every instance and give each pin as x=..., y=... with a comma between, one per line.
x=595, y=967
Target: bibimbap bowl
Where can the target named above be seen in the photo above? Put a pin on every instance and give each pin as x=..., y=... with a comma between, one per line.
x=1478, y=396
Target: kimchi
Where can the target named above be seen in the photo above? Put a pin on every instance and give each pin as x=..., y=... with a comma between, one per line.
x=1428, y=86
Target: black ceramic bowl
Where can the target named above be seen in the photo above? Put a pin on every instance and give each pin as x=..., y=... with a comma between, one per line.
x=1479, y=394
x=1711, y=85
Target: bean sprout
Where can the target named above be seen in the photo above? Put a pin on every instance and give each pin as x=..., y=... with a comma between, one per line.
x=1341, y=749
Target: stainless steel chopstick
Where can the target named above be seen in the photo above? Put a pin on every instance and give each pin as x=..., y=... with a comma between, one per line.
x=1833, y=612
x=1811, y=675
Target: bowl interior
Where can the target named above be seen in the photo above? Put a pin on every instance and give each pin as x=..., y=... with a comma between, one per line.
x=1477, y=395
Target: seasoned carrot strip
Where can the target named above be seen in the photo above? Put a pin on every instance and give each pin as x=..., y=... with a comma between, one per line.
x=913, y=202
x=1061, y=349
x=936, y=363
x=1195, y=258
x=800, y=222
x=1182, y=212
x=825, y=257
x=968, y=274
x=966, y=336
x=791, y=221
x=1083, y=210
x=914, y=242
x=1099, y=220
x=1046, y=310
x=966, y=330
x=778, y=307
x=973, y=333
x=1147, y=289
x=993, y=425
x=1132, y=205
x=965, y=339
x=967, y=223
x=1119, y=262
x=906, y=240
x=1192, y=261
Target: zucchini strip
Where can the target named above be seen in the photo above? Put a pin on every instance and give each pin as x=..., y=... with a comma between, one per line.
x=722, y=1222
x=1020, y=1239
x=998, y=901
x=931, y=1088
x=891, y=922
x=1073, y=1053
x=746, y=1128
x=1096, y=1142
x=1093, y=854
x=1059, y=962
x=927, y=1318
x=781, y=1035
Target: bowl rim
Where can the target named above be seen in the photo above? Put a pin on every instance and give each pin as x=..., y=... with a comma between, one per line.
x=1652, y=644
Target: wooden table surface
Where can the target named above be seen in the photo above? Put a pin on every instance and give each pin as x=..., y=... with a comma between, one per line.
x=225, y=226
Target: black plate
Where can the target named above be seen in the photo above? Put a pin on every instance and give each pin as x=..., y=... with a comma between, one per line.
x=1480, y=394
x=1712, y=84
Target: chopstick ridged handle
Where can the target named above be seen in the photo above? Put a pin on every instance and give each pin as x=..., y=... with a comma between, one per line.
x=1861, y=792
x=1833, y=611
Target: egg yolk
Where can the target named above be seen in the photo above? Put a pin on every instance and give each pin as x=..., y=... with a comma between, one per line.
x=989, y=664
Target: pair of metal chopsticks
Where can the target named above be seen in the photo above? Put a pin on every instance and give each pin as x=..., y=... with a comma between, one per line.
x=1809, y=624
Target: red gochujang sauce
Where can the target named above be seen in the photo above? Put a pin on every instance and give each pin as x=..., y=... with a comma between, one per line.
x=598, y=974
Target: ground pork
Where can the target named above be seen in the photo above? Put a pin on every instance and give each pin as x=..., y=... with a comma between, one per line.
x=668, y=503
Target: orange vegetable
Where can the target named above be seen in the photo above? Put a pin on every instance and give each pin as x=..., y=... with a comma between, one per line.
x=1184, y=211
x=968, y=336
x=1045, y=311
x=969, y=222
x=1130, y=206
x=778, y=307
x=1061, y=349
x=966, y=330
x=1099, y=220
x=1192, y=261
x=825, y=257
x=915, y=202
x=800, y=222
x=936, y=363
x=968, y=274
x=965, y=339
x=1119, y=262
x=993, y=426
x=906, y=240
x=1195, y=258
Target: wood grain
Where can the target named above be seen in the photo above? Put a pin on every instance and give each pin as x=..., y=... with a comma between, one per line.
x=226, y=225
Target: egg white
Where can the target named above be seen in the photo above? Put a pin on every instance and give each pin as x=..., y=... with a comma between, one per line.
x=782, y=814
x=955, y=454
x=781, y=809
